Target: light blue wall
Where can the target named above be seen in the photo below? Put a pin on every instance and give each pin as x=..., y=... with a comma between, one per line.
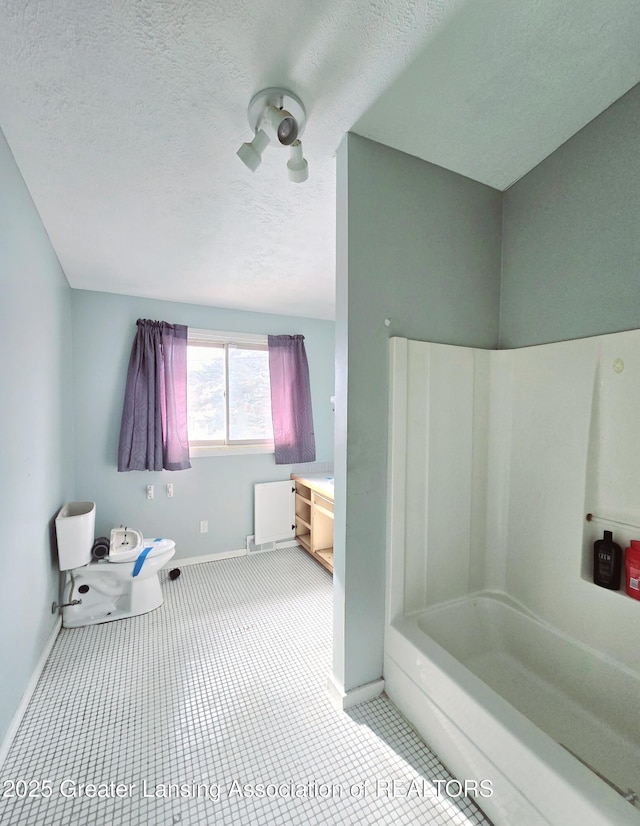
x=35, y=446
x=216, y=489
x=420, y=246
x=571, y=260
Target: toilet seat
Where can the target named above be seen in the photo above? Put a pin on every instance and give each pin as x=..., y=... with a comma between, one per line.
x=148, y=547
x=125, y=544
x=145, y=549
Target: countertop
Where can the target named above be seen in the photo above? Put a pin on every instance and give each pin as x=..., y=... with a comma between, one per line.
x=322, y=483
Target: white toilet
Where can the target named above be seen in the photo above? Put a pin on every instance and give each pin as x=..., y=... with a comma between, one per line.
x=123, y=584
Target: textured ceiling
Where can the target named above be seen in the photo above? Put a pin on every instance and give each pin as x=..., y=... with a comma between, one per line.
x=503, y=84
x=125, y=117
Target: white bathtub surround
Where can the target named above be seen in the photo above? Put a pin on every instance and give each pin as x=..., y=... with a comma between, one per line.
x=498, y=645
x=225, y=683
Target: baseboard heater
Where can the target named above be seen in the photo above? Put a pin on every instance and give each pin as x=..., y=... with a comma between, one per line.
x=274, y=517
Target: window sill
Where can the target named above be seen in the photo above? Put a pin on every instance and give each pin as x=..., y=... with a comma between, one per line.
x=199, y=451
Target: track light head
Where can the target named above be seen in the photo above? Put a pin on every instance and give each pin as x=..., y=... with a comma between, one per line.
x=251, y=153
x=280, y=125
x=297, y=165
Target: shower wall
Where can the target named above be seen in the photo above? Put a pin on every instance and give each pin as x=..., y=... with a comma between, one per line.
x=574, y=449
x=505, y=454
x=439, y=444
x=548, y=393
x=613, y=471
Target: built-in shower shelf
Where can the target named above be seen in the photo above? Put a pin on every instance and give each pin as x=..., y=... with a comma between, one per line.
x=621, y=592
x=624, y=526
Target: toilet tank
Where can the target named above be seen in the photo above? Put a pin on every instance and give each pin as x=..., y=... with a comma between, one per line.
x=75, y=529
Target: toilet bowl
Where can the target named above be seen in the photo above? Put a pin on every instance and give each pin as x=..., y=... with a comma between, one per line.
x=124, y=584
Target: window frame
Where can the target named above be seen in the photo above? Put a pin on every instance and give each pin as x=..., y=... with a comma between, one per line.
x=226, y=341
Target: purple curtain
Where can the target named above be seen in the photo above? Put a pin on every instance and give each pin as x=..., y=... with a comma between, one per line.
x=153, y=433
x=291, y=400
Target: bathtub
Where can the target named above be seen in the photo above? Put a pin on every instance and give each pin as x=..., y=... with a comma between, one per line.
x=502, y=696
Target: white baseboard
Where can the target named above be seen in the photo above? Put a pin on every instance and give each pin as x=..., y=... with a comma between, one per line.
x=196, y=560
x=14, y=725
x=345, y=699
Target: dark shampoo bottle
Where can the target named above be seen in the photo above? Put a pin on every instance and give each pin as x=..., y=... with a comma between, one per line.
x=607, y=562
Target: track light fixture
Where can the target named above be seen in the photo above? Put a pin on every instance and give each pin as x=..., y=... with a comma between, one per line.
x=276, y=116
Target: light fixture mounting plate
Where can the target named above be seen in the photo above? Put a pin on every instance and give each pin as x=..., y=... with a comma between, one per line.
x=281, y=99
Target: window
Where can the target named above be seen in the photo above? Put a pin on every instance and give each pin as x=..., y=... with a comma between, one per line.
x=228, y=393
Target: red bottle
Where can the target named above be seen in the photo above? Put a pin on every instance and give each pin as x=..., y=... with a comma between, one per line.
x=632, y=569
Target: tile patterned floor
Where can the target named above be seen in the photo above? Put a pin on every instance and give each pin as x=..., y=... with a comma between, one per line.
x=171, y=715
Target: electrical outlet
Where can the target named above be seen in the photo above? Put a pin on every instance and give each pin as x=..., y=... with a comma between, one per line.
x=204, y=526
x=169, y=490
x=149, y=491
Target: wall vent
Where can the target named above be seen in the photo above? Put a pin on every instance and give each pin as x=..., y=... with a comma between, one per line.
x=261, y=547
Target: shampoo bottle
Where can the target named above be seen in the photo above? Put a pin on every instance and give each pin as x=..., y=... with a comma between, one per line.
x=607, y=562
x=632, y=569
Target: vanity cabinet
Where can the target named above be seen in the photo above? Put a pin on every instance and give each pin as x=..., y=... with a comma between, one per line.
x=314, y=517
